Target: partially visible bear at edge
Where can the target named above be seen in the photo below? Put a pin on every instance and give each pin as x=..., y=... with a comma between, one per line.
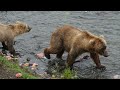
x=76, y=42
x=9, y=31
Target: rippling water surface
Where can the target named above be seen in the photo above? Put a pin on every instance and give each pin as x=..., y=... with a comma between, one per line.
x=43, y=23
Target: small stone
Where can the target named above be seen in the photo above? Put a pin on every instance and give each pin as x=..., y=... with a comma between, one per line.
x=26, y=64
x=53, y=76
x=75, y=76
x=34, y=65
x=21, y=65
x=54, y=71
x=8, y=57
x=44, y=57
x=33, y=68
x=18, y=75
x=62, y=76
x=40, y=55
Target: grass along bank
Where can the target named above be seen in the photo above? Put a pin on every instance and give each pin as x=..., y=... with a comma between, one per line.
x=13, y=67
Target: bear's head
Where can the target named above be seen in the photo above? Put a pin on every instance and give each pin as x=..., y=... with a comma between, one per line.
x=19, y=28
x=99, y=45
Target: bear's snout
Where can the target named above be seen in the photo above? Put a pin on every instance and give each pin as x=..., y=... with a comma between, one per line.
x=29, y=28
x=105, y=54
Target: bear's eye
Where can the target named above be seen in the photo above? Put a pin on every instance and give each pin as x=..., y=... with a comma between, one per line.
x=103, y=48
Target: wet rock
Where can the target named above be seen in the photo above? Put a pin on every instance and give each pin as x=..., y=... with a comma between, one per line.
x=116, y=77
x=4, y=51
x=28, y=59
x=55, y=67
x=51, y=63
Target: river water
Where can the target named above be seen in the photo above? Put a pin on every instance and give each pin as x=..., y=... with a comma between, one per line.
x=43, y=23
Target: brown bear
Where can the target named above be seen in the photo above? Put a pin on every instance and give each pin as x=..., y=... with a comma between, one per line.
x=9, y=31
x=76, y=42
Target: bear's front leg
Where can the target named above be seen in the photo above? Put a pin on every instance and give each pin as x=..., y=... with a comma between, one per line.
x=46, y=52
x=95, y=58
x=4, y=46
x=10, y=47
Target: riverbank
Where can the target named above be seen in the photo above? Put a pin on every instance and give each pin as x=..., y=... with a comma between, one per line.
x=10, y=68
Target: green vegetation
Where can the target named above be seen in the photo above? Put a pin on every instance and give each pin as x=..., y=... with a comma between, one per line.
x=12, y=65
x=69, y=74
x=58, y=70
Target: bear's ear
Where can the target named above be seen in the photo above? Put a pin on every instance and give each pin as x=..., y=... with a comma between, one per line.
x=101, y=36
x=11, y=26
x=92, y=42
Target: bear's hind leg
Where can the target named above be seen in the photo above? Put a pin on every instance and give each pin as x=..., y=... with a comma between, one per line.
x=59, y=55
x=50, y=50
x=55, y=46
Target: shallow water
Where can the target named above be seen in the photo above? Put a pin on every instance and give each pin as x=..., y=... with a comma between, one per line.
x=43, y=23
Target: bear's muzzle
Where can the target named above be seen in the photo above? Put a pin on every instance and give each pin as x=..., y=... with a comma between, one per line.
x=105, y=54
x=29, y=28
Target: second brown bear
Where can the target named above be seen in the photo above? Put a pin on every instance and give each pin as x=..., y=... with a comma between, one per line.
x=76, y=42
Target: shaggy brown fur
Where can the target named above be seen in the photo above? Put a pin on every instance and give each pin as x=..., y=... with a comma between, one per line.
x=76, y=42
x=8, y=33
